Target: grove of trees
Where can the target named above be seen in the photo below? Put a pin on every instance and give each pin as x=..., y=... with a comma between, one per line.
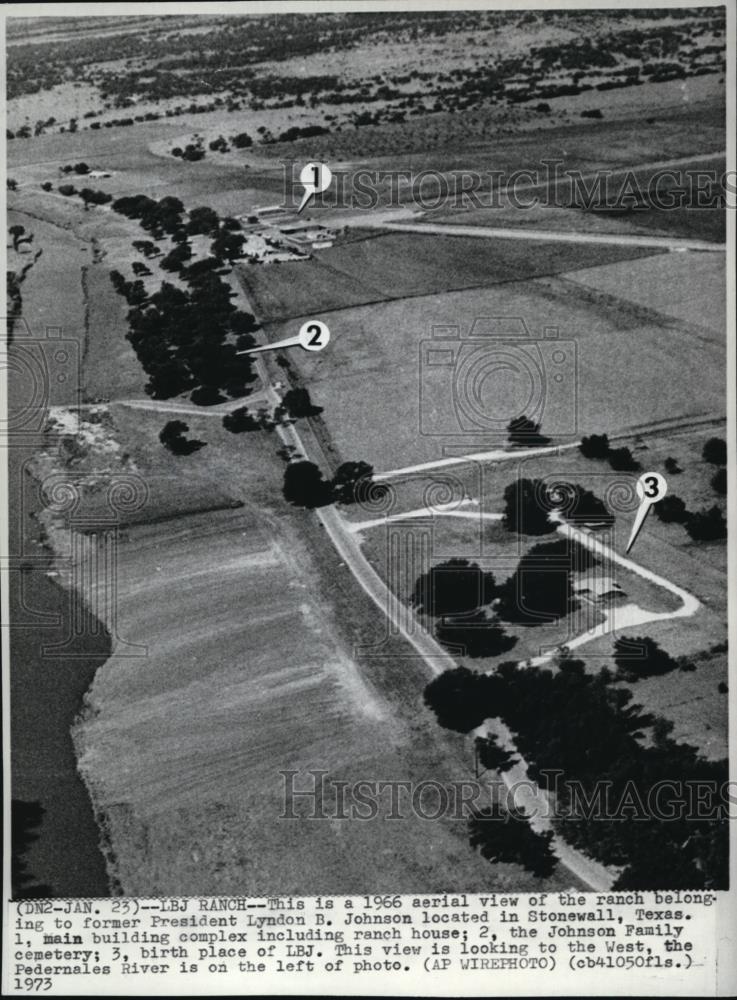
x=528, y=504
x=575, y=722
x=186, y=339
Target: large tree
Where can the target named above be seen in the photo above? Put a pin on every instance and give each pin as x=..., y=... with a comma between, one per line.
x=452, y=588
x=540, y=589
x=475, y=635
x=304, y=485
x=298, y=404
x=641, y=657
x=459, y=699
x=715, y=451
x=349, y=478
x=525, y=508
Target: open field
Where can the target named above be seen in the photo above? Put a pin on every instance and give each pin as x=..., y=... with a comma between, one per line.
x=380, y=268
x=663, y=284
x=382, y=352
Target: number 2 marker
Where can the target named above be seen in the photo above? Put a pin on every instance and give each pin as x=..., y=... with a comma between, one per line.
x=313, y=335
x=651, y=487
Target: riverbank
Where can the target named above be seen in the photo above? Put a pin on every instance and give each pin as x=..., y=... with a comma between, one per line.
x=46, y=695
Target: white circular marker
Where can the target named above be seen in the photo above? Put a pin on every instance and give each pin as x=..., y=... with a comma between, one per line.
x=314, y=335
x=315, y=178
x=651, y=487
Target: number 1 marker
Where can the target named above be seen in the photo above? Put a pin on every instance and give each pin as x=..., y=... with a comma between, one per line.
x=316, y=178
x=651, y=487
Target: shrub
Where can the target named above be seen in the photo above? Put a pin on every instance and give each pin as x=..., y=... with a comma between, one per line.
x=595, y=446
x=715, y=451
x=240, y=420
x=172, y=437
x=671, y=509
x=719, y=481
x=642, y=657
x=622, y=460
x=707, y=525
x=525, y=433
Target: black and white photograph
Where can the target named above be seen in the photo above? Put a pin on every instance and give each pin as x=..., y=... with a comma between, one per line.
x=368, y=436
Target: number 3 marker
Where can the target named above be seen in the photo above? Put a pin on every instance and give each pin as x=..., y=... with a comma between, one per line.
x=651, y=487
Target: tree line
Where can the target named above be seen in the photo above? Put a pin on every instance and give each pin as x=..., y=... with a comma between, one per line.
x=573, y=722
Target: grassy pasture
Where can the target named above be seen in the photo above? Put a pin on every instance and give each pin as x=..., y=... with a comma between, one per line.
x=380, y=268
x=633, y=364
x=690, y=287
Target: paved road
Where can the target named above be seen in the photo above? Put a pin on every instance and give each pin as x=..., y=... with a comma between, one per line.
x=550, y=236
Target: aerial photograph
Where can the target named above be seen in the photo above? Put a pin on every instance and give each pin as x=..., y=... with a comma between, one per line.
x=366, y=449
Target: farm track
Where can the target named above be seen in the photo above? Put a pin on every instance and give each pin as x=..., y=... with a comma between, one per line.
x=500, y=455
